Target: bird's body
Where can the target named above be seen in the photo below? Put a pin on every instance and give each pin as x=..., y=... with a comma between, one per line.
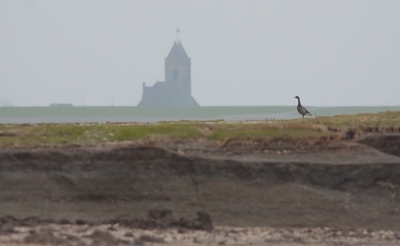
x=302, y=110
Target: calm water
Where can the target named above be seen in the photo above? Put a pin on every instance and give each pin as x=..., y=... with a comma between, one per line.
x=135, y=114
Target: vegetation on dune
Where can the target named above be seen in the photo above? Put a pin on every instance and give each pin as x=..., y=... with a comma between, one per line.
x=42, y=134
x=92, y=133
x=387, y=118
x=266, y=131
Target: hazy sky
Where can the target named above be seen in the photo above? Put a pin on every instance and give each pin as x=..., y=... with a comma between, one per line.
x=98, y=52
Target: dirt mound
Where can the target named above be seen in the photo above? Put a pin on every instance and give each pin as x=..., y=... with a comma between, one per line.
x=386, y=143
x=339, y=184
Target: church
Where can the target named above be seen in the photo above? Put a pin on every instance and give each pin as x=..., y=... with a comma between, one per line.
x=176, y=90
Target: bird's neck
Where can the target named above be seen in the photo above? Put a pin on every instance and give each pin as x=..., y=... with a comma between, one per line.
x=298, y=103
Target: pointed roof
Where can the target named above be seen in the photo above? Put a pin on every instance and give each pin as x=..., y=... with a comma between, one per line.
x=177, y=51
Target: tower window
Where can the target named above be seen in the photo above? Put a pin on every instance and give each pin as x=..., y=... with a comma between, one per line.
x=175, y=74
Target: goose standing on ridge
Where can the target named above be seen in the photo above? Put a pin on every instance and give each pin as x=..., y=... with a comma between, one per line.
x=302, y=110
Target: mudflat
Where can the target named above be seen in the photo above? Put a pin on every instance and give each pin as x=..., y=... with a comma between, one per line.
x=201, y=191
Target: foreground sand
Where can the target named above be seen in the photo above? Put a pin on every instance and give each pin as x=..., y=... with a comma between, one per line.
x=106, y=234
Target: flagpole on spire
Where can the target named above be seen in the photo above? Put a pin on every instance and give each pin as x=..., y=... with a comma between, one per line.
x=177, y=34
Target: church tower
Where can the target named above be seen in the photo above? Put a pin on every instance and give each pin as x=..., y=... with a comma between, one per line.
x=176, y=90
x=177, y=68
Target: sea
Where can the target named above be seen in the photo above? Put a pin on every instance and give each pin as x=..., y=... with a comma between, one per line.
x=125, y=114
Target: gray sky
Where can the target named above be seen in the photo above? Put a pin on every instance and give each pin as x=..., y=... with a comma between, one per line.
x=330, y=53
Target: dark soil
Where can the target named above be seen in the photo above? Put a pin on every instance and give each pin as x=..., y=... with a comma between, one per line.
x=342, y=184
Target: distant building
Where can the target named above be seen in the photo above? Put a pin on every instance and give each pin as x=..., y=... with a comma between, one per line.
x=5, y=103
x=176, y=90
x=60, y=104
